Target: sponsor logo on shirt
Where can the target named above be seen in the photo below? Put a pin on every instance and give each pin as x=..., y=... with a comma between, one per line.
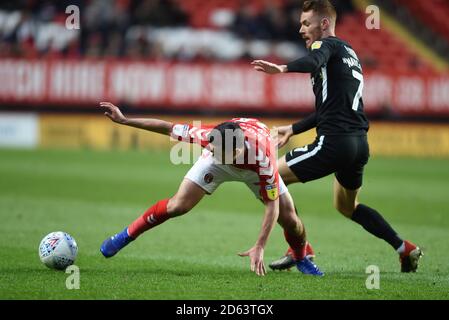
x=316, y=45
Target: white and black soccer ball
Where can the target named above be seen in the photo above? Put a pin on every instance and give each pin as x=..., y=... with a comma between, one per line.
x=58, y=250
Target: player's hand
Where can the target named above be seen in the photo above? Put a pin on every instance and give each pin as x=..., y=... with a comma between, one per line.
x=113, y=112
x=268, y=67
x=256, y=256
x=284, y=134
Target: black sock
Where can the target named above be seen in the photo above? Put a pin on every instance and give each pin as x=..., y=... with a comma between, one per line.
x=374, y=223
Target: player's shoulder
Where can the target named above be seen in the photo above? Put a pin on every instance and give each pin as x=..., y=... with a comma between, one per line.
x=330, y=43
x=343, y=44
x=253, y=122
x=334, y=42
x=340, y=47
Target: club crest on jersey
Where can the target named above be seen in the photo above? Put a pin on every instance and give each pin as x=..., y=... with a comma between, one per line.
x=208, y=177
x=316, y=45
x=272, y=191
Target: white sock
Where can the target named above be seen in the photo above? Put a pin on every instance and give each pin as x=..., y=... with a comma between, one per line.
x=401, y=249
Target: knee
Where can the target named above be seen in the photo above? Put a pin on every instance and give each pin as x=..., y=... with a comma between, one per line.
x=344, y=208
x=177, y=207
x=290, y=180
x=291, y=223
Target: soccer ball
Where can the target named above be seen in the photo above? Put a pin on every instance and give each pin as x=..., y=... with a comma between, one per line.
x=58, y=250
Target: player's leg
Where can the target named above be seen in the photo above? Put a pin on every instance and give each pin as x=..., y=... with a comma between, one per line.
x=295, y=235
x=310, y=162
x=300, y=251
x=304, y=164
x=285, y=172
x=346, y=189
x=192, y=189
x=294, y=230
x=345, y=201
x=188, y=195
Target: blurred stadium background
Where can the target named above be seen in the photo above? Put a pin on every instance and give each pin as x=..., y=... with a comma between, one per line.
x=188, y=60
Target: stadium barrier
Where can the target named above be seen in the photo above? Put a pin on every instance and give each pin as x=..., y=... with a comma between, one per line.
x=95, y=132
x=214, y=86
x=19, y=130
x=98, y=132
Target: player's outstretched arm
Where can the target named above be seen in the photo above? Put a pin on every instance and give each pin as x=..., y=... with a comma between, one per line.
x=257, y=251
x=319, y=56
x=154, y=125
x=268, y=67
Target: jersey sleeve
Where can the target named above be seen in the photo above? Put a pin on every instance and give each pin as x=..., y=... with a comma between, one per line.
x=321, y=51
x=268, y=177
x=191, y=134
x=305, y=124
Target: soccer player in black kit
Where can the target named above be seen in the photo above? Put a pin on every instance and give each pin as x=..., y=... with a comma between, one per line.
x=341, y=146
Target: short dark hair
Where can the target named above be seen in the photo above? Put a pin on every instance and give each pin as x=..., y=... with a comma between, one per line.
x=224, y=129
x=322, y=7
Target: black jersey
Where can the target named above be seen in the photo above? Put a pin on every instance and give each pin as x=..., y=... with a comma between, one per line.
x=337, y=81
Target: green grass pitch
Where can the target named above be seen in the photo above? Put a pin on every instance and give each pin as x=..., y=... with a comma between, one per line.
x=92, y=195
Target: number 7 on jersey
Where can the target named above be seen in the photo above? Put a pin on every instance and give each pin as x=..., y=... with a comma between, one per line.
x=358, y=94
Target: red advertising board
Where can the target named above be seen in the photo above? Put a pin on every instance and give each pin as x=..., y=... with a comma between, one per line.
x=205, y=86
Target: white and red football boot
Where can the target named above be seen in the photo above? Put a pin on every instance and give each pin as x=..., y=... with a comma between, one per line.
x=409, y=258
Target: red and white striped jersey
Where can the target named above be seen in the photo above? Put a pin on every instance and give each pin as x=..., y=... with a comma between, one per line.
x=260, y=152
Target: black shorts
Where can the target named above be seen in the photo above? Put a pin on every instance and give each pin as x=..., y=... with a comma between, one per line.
x=345, y=156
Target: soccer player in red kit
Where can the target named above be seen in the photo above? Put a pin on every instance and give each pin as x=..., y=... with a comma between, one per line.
x=237, y=150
